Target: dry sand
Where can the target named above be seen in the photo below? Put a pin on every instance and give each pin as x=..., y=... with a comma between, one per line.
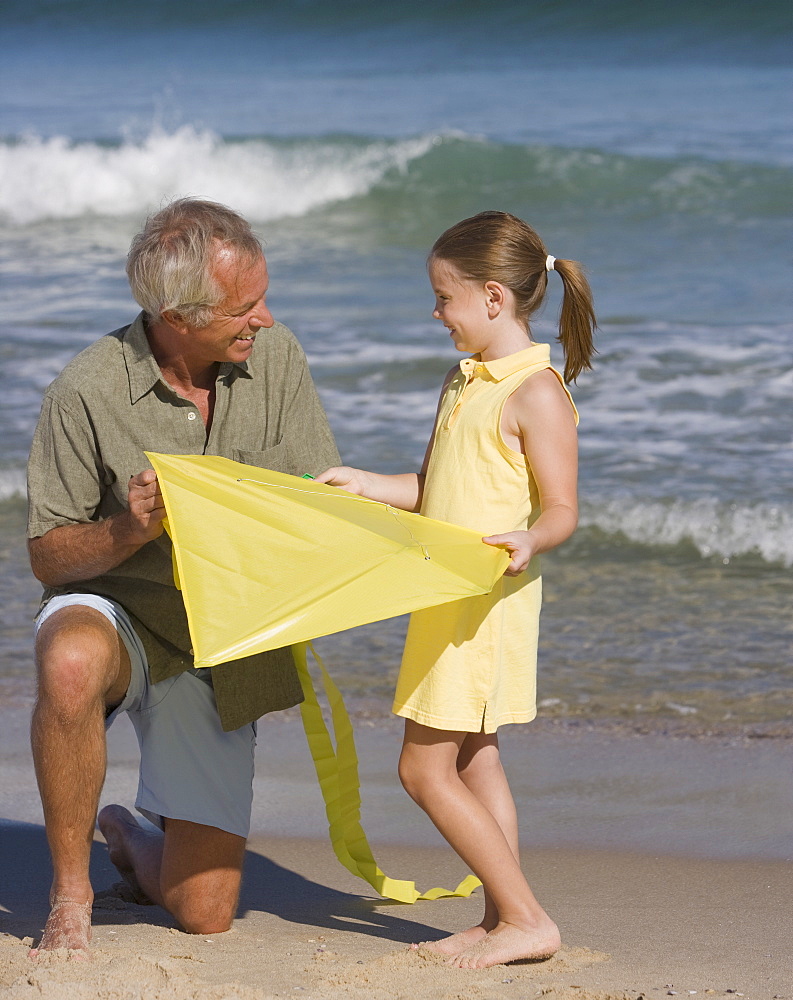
x=638, y=916
x=633, y=925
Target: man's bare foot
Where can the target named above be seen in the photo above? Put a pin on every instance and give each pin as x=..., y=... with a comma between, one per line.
x=509, y=943
x=68, y=926
x=116, y=822
x=454, y=944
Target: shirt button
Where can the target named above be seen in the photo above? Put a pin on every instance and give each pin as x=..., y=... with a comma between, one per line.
x=191, y=415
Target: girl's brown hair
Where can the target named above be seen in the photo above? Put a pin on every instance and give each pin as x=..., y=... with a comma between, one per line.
x=497, y=246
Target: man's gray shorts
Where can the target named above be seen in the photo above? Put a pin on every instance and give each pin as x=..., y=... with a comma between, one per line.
x=189, y=768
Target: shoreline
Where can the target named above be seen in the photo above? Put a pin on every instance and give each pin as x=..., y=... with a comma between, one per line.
x=717, y=797
x=670, y=645
x=17, y=699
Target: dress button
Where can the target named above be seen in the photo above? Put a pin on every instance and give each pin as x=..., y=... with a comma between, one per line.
x=191, y=415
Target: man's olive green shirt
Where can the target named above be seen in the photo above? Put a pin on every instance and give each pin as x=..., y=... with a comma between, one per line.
x=108, y=406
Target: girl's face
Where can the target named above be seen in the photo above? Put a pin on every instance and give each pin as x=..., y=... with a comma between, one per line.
x=462, y=306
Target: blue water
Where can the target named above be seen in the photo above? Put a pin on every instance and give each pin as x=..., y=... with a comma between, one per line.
x=652, y=143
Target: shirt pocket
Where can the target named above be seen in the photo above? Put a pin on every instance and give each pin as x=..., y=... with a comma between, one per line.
x=275, y=458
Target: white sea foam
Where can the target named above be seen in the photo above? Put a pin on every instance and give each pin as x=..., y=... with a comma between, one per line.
x=12, y=484
x=57, y=178
x=714, y=528
x=338, y=350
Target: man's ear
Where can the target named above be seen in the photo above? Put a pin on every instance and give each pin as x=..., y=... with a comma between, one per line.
x=495, y=298
x=176, y=321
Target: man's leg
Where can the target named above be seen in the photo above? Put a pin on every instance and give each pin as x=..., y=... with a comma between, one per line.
x=83, y=667
x=196, y=784
x=193, y=871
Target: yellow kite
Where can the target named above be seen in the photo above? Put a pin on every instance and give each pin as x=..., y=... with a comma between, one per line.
x=266, y=560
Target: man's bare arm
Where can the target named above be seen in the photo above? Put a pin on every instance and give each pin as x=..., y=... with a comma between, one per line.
x=73, y=552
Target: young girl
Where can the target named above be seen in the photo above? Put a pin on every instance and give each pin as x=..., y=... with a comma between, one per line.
x=502, y=459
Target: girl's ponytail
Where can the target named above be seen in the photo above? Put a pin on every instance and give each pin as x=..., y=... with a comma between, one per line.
x=499, y=246
x=577, y=322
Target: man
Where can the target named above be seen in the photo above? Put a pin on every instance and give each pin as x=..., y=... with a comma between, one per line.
x=204, y=369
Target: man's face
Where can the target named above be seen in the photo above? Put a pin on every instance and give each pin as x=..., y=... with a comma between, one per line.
x=240, y=315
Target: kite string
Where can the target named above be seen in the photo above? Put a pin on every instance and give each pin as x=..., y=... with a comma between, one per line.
x=294, y=489
x=347, y=496
x=407, y=529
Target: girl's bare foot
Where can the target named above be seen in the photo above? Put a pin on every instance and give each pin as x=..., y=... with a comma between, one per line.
x=68, y=926
x=454, y=944
x=509, y=943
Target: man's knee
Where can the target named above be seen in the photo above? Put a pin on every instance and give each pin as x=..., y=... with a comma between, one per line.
x=200, y=875
x=205, y=916
x=206, y=903
x=81, y=660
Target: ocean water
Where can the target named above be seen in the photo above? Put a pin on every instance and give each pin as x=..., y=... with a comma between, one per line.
x=653, y=144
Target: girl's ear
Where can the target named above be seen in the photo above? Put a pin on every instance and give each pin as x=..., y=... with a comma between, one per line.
x=495, y=296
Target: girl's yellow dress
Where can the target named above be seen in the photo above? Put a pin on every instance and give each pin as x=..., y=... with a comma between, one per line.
x=470, y=665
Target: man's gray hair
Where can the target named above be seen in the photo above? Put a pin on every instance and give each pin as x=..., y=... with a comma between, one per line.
x=170, y=260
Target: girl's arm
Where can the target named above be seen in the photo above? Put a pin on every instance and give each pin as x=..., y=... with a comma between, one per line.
x=404, y=490
x=538, y=416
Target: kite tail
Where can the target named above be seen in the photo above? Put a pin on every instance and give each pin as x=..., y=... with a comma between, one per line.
x=337, y=771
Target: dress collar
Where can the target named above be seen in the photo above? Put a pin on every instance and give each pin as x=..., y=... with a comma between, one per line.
x=501, y=368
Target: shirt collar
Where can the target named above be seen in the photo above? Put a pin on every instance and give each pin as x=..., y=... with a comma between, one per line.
x=144, y=372
x=501, y=368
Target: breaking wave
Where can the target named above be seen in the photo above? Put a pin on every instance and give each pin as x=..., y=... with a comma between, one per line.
x=267, y=178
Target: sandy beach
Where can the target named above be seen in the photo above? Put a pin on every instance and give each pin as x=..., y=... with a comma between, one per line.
x=648, y=141
x=665, y=860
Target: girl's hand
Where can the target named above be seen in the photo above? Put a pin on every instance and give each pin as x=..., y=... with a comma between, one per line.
x=518, y=545
x=346, y=478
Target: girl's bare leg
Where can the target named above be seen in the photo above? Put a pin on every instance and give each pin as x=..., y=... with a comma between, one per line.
x=479, y=768
x=458, y=780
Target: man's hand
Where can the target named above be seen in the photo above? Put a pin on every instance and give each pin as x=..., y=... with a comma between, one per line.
x=73, y=552
x=518, y=545
x=146, y=510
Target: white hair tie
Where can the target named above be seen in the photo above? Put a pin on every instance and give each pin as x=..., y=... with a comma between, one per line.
x=549, y=263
